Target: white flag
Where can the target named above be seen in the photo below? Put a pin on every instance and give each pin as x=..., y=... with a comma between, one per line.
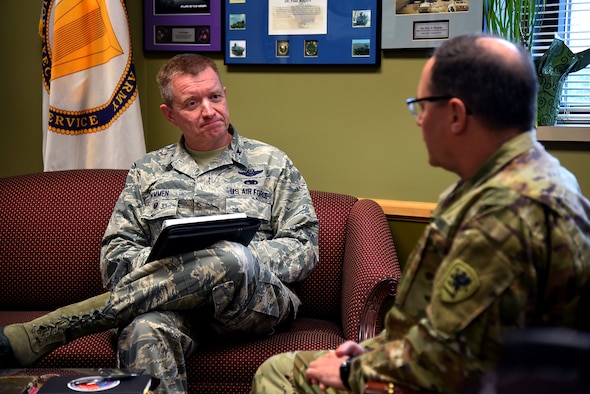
x=91, y=112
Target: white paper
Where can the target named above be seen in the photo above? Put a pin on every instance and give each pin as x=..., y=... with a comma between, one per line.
x=201, y=219
x=297, y=17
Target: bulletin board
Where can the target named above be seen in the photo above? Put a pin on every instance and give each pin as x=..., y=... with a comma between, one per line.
x=302, y=32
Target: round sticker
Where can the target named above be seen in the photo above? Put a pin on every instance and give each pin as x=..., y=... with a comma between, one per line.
x=91, y=384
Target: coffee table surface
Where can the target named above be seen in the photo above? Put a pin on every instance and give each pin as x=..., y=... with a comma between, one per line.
x=15, y=380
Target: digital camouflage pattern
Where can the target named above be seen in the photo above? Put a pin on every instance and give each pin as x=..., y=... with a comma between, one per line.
x=143, y=345
x=246, y=286
x=508, y=249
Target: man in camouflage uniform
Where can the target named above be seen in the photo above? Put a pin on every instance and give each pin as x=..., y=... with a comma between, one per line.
x=508, y=246
x=161, y=306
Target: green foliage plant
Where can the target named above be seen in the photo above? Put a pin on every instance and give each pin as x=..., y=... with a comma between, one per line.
x=513, y=20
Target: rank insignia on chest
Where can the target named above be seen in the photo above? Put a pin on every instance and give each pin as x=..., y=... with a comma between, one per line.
x=459, y=282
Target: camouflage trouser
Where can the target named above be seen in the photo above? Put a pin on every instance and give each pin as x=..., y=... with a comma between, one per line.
x=225, y=282
x=156, y=343
x=285, y=374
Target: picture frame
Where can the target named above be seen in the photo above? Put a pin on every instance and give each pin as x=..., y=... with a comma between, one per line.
x=427, y=23
x=183, y=25
x=315, y=32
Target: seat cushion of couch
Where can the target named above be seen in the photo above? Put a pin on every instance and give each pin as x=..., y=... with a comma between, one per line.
x=224, y=367
x=208, y=368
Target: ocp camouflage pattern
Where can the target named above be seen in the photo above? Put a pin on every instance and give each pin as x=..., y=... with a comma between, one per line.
x=508, y=249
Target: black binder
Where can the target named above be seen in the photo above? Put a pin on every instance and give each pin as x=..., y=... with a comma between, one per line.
x=189, y=234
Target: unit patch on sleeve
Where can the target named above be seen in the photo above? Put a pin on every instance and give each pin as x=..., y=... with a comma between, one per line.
x=459, y=282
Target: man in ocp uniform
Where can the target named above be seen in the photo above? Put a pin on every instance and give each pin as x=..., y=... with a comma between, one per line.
x=508, y=246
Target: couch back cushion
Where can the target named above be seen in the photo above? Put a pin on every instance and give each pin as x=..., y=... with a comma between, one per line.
x=51, y=225
x=321, y=291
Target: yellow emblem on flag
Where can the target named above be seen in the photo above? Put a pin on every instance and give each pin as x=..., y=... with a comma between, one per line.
x=459, y=282
x=82, y=37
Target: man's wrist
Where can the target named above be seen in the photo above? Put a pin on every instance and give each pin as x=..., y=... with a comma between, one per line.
x=345, y=371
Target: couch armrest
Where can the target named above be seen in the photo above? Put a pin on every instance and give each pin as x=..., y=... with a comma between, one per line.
x=379, y=301
x=378, y=388
x=374, y=387
x=370, y=273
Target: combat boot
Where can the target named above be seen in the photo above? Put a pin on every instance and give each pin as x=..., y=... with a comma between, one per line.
x=23, y=344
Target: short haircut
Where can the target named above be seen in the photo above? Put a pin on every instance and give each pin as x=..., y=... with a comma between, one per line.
x=500, y=91
x=185, y=63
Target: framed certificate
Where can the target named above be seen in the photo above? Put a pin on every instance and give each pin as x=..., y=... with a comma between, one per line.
x=302, y=32
x=426, y=23
x=182, y=26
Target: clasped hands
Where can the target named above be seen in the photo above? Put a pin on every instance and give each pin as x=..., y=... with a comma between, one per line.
x=325, y=371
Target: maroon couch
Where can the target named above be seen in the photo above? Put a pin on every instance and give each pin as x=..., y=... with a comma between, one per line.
x=51, y=225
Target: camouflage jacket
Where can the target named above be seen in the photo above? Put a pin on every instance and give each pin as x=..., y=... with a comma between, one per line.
x=249, y=176
x=508, y=249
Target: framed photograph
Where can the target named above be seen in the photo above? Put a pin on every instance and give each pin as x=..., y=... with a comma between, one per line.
x=302, y=32
x=426, y=23
x=182, y=25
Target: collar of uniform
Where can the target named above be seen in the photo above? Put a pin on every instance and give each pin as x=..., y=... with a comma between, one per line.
x=236, y=147
x=502, y=157
x=182, y=160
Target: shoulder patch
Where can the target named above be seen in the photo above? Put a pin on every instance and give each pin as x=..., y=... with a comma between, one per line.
x=459, y=282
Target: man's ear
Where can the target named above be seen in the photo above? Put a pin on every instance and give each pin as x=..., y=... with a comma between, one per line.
x=459, y=114
x=167, y=111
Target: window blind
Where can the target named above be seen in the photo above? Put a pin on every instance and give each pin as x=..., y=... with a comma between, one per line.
x=569, y=20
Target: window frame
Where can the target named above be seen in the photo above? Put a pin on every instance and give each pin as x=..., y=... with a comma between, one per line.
x=564, y=130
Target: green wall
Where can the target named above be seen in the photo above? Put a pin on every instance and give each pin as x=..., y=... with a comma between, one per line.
x=346, y=128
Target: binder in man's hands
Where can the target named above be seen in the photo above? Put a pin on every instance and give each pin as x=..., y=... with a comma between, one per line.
x=189, y=234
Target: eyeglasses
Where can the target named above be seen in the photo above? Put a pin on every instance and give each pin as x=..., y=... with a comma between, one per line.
x=416, y=110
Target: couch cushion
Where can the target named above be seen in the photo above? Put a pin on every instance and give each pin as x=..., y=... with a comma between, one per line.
x=326, y=279
x=50, y=236
x=229, y=367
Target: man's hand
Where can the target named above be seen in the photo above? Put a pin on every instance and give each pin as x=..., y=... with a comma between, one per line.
x=325, y=371
x=350, y=349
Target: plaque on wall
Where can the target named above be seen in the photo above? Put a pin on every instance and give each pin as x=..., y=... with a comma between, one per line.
x=427, y=23
x=182, y=25
x=302, y=32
